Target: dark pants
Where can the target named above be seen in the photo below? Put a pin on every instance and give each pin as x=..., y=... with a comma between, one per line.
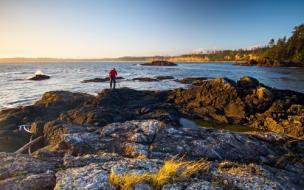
x=113, y=82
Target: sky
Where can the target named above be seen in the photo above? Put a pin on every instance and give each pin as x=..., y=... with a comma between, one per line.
x=115, y=28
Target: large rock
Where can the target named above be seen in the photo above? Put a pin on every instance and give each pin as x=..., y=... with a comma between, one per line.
x=281, y=118
x=247, y=82
x=217, y=99
x=122, y=105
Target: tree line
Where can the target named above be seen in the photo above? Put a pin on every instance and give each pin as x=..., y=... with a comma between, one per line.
x=281, y=52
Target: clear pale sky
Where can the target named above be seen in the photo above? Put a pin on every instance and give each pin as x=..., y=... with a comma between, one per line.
x=114, y=28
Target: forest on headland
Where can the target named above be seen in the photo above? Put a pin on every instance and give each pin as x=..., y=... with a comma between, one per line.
x=280, y=52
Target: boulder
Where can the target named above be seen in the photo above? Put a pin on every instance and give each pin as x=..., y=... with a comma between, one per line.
x=247, y=82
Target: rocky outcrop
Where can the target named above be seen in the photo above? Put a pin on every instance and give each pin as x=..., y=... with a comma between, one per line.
x=245, y=102
x=127, y=132
x=159, y=63
x=266, y=62
x=214, y=99
x=39, y=77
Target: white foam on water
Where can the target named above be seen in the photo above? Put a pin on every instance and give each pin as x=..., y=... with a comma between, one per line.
x=39, y=72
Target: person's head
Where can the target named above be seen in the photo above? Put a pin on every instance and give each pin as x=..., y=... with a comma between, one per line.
x=113, y=68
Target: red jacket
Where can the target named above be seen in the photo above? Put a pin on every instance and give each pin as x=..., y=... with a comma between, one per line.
x=112, y=73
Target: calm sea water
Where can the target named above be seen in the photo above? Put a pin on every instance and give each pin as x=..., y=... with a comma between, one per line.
x=16, y=91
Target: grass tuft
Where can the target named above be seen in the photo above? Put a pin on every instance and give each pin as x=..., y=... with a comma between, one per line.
x=127, y=181
x=172, y=170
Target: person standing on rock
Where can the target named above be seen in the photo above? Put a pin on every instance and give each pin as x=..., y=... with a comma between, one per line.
x=112, y=76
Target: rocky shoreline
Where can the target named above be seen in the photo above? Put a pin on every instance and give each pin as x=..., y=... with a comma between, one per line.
x=269, y=63
x=97, y=142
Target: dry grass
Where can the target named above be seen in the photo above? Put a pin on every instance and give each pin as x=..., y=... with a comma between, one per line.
x=129, y=150
x=173, y=170
x=127, y=181
x=177, y=170
x=239, y=169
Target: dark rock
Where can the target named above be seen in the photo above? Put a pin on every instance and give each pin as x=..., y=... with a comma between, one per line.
x=106, y=79
x=159, y=63
x=164, y=77
x=39, y=77
x=145, y=79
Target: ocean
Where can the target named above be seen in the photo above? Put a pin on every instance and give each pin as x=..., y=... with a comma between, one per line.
x=17, y=91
